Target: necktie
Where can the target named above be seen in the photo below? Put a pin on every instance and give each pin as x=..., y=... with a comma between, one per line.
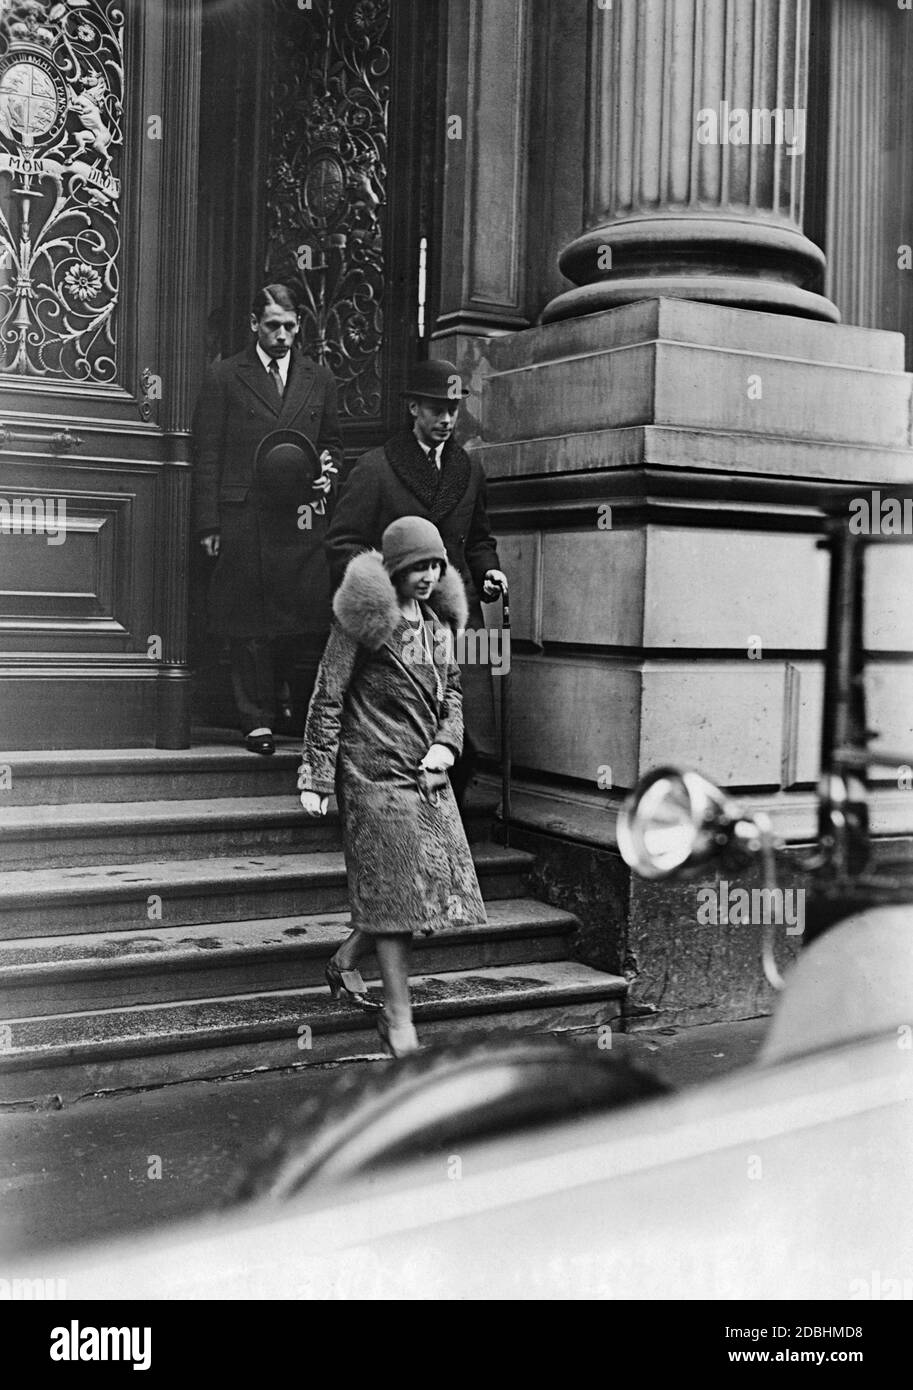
x=434, y=459
x=274, y=373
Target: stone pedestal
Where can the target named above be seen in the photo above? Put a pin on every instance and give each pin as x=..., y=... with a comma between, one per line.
x=657, y=475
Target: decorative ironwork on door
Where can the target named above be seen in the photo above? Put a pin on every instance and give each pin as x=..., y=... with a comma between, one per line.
x=326, y=188
x=61, y=112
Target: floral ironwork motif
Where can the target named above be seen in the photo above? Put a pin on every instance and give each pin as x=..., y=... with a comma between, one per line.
x=61, y=105
x=327, y=184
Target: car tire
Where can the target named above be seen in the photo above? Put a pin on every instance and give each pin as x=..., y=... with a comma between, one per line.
x=427, y=1103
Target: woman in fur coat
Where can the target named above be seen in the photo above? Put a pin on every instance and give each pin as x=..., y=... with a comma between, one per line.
x=384, y=725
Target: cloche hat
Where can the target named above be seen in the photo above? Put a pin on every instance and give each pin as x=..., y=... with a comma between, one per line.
x=408, y=540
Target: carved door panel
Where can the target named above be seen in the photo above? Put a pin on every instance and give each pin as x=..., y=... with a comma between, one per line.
x=349, y=191
x=98, y=109
x=334, y=105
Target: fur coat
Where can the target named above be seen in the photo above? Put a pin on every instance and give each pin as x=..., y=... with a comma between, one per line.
x=385, y=692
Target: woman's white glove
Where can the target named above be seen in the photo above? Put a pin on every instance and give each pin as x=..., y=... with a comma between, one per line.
x=439, y=758
x=314, y=804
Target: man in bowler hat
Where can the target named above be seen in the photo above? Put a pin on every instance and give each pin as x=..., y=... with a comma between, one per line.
x=268, y=447
x=422, y=471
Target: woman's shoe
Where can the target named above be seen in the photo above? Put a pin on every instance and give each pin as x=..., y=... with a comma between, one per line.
x=399, y=1042
x=260, y=743
x=349, y=982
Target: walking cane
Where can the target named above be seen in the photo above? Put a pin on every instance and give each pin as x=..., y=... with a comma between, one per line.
x=505, y=717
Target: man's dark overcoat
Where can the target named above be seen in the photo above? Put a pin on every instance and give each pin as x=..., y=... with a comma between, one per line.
x=397, y=480
x=272, y=575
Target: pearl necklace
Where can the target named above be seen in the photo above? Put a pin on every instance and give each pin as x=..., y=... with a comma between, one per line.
x=427, y=649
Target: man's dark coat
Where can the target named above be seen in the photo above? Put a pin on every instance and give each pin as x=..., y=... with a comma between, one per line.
x=397, y=480
x=272, y=575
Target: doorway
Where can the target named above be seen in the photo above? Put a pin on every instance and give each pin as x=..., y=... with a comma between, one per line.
x=319, y=156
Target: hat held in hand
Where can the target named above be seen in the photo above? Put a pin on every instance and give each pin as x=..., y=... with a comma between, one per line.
x=285, y=469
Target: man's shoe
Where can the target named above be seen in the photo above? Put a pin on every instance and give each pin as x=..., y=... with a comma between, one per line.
x=260, y=743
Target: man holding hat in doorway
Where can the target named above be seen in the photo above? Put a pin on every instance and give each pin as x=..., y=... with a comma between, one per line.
x=268, y=447
x=422, y=471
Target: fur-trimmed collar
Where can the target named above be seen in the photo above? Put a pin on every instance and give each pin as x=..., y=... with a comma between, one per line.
x=440, y=492
x=366, y=605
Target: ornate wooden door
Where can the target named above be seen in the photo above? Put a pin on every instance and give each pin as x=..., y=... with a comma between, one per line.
x=98, y=155
x=317, y=139
x=317, y=169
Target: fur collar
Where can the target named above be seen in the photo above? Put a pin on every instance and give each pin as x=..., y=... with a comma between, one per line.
x=440, y=492
x=366, y=606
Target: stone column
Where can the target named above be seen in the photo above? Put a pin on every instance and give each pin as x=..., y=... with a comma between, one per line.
x=869, y=183
x=697, y=125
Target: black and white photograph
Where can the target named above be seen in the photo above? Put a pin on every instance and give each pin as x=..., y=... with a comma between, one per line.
x=456, y=665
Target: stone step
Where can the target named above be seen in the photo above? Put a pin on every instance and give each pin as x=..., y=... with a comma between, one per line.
x=94, y=833
x=59, y=777
x=171, y=893
x=154, y=1044
x=71, y=974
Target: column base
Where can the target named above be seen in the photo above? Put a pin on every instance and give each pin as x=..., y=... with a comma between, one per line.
x=658, y=476
x=721, y=260
x=657, y=479
x=765, y=295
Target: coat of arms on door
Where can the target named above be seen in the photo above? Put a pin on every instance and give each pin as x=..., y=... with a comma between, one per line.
x=61, y=111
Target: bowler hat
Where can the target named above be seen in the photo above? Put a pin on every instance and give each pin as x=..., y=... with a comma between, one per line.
x=285, y=468
x=434, y=381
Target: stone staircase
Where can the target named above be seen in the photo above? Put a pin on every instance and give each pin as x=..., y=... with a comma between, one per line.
x=166, y=916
